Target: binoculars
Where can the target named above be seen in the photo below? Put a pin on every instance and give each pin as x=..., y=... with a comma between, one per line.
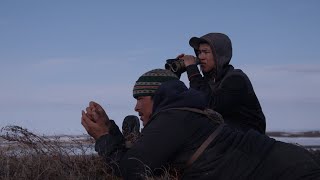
x=177, y=65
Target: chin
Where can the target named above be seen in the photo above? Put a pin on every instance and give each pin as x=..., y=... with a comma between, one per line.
x=145, y=122
x=204, y=70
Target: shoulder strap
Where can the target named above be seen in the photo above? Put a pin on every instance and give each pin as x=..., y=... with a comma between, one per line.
x=204, y=145
x=211, y=114
x=215, y=117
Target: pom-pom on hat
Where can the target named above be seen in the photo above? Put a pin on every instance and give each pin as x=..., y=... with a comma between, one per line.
x=150, y=81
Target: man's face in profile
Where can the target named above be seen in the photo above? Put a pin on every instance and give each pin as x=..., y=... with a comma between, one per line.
x=144, y=107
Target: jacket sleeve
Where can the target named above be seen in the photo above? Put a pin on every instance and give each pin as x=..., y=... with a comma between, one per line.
x=196, y=80
x=111, y=147
x=159, y=142
x=229, y=95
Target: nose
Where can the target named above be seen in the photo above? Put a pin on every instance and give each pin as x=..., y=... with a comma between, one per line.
x=136, y=108
x=201, y=55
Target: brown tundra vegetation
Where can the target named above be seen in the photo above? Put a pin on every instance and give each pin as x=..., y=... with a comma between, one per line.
x=24, y=155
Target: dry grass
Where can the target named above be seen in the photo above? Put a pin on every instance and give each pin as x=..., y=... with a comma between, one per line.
x=28, y=156
x=24, y=155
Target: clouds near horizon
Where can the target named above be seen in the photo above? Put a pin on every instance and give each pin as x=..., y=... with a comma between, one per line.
x=286, y=92
x=57, y=56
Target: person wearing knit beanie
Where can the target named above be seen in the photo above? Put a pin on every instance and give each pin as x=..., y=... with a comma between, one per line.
x=179, y=135
x=149, y=82
x=144, y=89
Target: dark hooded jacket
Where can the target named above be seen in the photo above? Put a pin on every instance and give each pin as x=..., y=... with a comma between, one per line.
x=172, y=136
x=229, y=91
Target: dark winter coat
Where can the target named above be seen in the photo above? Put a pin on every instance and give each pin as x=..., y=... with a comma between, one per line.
x=172, y=136
x=229, y=91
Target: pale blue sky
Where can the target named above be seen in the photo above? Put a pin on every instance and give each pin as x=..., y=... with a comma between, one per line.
x=56, y=56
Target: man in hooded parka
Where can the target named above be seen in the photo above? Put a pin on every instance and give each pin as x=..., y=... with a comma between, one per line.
x=228, y=90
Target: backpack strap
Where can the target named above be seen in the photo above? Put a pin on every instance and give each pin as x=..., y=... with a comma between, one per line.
x=215, y=117
x=204, y=145
x=211, y=114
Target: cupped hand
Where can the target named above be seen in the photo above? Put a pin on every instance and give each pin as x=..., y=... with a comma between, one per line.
x=95, y=120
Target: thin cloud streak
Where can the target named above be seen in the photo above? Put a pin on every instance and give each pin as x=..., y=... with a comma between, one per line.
x=289, y=95
x=289, y=98
x=291, y=82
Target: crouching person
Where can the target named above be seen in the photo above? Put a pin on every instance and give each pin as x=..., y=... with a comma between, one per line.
x=179, y=132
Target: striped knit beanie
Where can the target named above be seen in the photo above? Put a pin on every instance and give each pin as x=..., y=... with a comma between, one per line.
x=150, y=81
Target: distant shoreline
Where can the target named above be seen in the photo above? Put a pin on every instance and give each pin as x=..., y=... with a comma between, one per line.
x=294, y=134
x=307, y=139
x=307, y=134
